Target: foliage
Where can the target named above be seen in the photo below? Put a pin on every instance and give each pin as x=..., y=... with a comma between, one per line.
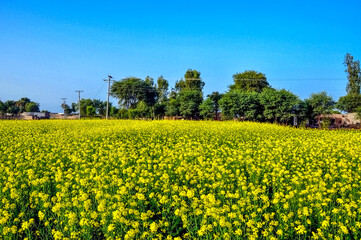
x=90, y=111
x=160, y=109
x=189, y=101
x=19, y=106
x=172, y=107
x=319, y=104
x=132, y=90
x=249, y=81
x=162, y=89
x=32, y=107
x=349, y=103
x=210, y=107
x=207, y=109
x=178, y=180
x=358, y=112
x=192, y=81
x=95, y=106
x=279, y=105
x=2, y=108
x=246, y=105
x=353, y=75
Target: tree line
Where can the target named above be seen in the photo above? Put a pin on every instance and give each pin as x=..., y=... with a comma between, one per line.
x=17, y=107
x=250, y=97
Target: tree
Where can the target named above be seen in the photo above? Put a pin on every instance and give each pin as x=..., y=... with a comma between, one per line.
x=84, y=103
x=229, y=105
x=162, y=89
x=11, y=108
x=353, y=75
x=21, y=103
x=100, y=106
x=160, y=109
x=32, y=107
x=207, y=109
x=279, y=105
x=249, y=81
x=172, y=107
x=235, y=104
x=349, y=103
x=192, y=81
x=149, y=81
x=66, y=108
x=319, y=104
x=2, y=108
x=143, y=110
x=358, y=112
x=210, y=107
x=132, y=90
x=189, y=101
x=90, y=111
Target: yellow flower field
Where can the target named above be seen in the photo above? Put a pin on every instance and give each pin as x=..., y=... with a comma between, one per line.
x=97, y=179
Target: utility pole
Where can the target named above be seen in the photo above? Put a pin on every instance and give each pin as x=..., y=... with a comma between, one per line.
x=108, y=80
x=79, y=91
x=64, y=104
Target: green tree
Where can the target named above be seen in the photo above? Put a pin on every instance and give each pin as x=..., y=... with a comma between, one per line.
x=207, y=109
x=349, y=103
x=129, y=91
x=229, y=105
x=67, y=110
x=279, y=105
x=358, y=112
x=353, y=75
x=160, y=109
x=11, y=108
x=21, y=103
x=100, y=106
x=235, y=104
x=149, y=81
x=114, y=111
x=249, y=81
x=319, y=104
x=162, y=89
x=210, y=107
x=32, y=107
x=84, y=103
x=143, y=110
x=172, y=107
x=192, y=81
x=2, y=108
x=90, y=111
x=189, y=101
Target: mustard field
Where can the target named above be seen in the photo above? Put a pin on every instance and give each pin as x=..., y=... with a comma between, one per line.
x=97, y=179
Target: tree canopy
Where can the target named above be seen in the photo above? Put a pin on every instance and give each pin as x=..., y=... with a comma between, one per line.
x=249, y=81
x=320, y=104
x=129, y=91
x=192, y=81
x=353, y=75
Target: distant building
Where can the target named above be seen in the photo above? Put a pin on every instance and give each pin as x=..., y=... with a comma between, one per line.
x=341, y=120
x=34, y=115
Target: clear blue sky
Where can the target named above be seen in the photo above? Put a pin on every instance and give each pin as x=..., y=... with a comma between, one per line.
x=49, y=49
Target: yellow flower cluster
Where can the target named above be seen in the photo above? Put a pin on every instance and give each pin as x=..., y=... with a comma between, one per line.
x=177, y=180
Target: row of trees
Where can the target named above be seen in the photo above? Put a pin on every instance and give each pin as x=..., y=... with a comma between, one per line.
x=18, y=107
x=250, y=97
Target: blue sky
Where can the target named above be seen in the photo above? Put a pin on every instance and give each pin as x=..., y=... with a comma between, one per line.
x=49, y=49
